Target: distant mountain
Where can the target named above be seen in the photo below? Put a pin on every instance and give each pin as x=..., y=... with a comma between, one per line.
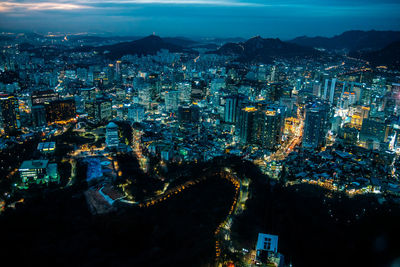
x=211, y=46
x=388, y=56
x=146, y=46
x=181, y=41
x=221, y=41
x=258, y=49
x=93, y=38
x=351, y=40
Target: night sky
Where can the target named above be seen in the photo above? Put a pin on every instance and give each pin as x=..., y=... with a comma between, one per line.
x=201, y=18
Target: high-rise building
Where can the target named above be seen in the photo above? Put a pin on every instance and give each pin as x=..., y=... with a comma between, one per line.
x=316, y=125
x=247, y=125
x=144, y=94
x=120, y=94
x=317, y=89
x=329, y=90
x=38, y=115
x=233, y=104
x=82, y=74
x=373, y=131
x=185, y=91
x=273, y=74
x=9, y=113
x=189, y=114
x=217, y=85
x=88, y=93
x=136, y=113
x=198, y=89
x=271, y=126
x=99, y=110
x=60, y=110
x=112, y=138
x=118, y=70
x=42, y=97
x=275, y=91
x=171, y=100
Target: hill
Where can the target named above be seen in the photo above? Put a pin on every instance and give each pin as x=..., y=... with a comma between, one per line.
x=146, y=46
x=388, y=56
x=351, y=40
x=258, y=49
x=180, y=41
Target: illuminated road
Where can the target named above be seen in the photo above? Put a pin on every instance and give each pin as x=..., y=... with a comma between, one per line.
x=71, y=180
x=143, y=161
x=287, y=148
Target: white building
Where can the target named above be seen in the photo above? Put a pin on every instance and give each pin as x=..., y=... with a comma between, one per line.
x=112, y=138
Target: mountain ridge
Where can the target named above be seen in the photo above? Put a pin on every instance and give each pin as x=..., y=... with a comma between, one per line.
x=264, y=50
x=354, y=40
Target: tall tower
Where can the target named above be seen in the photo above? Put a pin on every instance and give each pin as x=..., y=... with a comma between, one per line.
x=118, y=70
x=329, y=91
x=230, y=109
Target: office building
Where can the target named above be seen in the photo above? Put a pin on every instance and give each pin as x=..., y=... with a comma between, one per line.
x=99, y=110
x=316, y=125
x=189, y=114
x=37, y=172
x=112, y=137
x=232, y=107
x=38, y=115
x=60, y=110
x=271, y=127
x=185, y=91
x=42, y=97
x=136, y=113
x=9, y=114
x=329, y=90
x=171, y=101
x=247, y=125
x=373, y=132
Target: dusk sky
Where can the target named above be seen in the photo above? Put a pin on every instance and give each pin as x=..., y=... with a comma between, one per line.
x=203, y=18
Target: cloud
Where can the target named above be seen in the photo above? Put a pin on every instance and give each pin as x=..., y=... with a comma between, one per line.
x=177, y=2
x=10, y=6
x=30, y=6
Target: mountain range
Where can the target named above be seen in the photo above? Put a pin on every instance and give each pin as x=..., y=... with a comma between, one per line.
x=149, y=45
x=377, y=47
x=351, y=40
x=258, y=49
x=389, y=56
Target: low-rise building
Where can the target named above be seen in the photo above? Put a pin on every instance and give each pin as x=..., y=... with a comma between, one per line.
x=37, y=172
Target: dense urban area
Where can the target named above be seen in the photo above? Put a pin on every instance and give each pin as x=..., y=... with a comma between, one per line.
x=150, y=151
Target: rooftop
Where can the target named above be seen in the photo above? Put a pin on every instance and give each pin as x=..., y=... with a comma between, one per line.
x=33, y=164
x=267, y=242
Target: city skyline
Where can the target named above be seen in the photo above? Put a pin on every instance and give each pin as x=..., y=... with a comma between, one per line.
x=202, y=18
x=185, y=133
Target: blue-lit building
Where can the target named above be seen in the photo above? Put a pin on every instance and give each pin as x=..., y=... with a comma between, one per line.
x=316, y=125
